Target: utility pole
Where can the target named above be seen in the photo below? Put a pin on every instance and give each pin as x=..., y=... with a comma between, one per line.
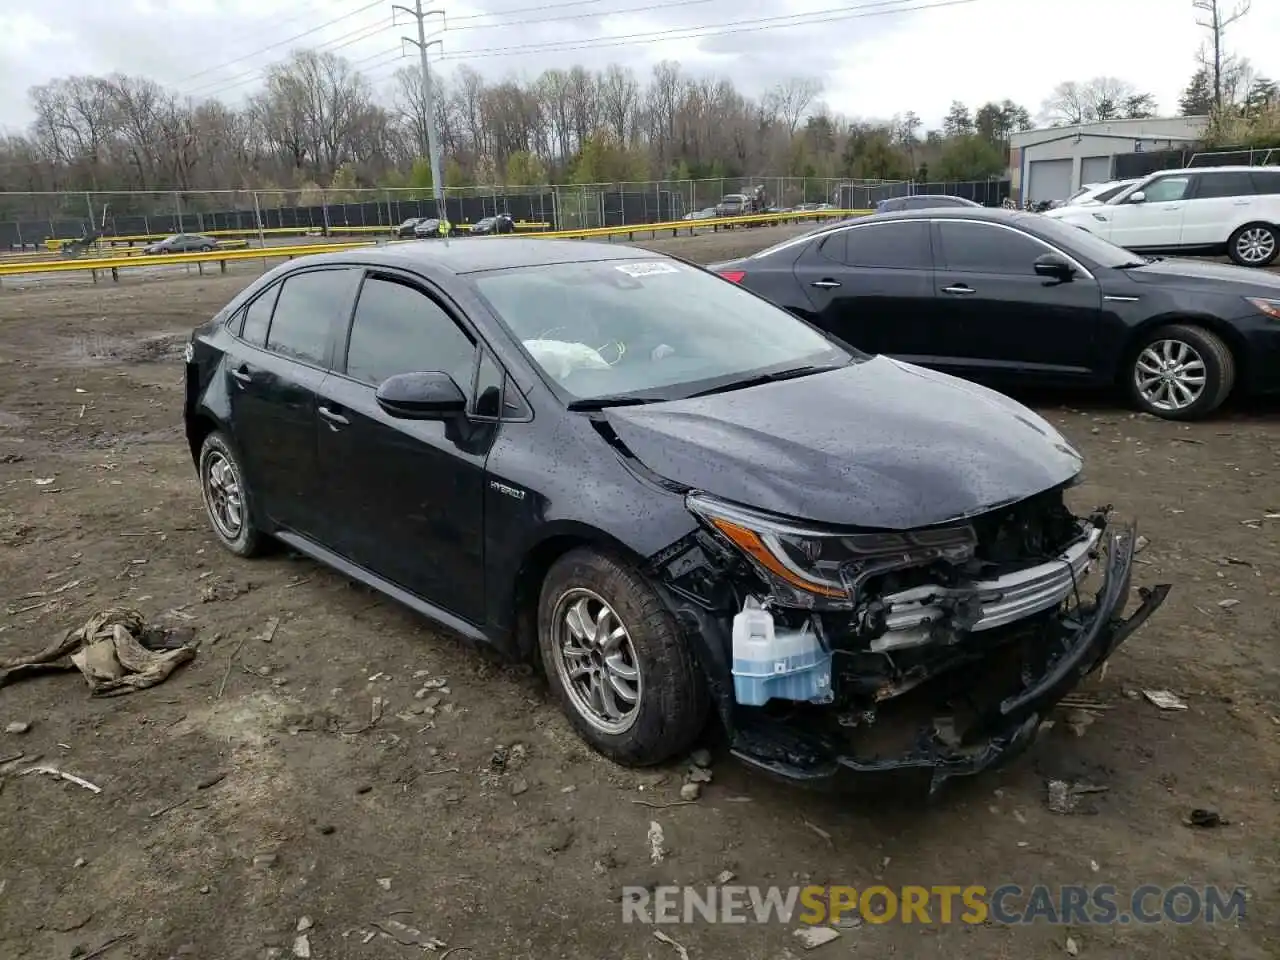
x=428, y=100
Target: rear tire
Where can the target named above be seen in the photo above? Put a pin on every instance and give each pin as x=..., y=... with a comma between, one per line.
x=617, y=661
x=1255, y=245
x=1180, y=372
x=227, y=499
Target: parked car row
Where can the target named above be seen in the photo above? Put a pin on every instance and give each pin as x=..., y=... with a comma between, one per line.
x=426, y=228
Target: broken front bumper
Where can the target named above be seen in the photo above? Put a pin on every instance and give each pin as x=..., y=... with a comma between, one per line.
x=794, y=751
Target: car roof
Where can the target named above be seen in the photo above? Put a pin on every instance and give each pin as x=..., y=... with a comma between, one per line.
x=1239, y=168
x=472, y=255
x=994, y=214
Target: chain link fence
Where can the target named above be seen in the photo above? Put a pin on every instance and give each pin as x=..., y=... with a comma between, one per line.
x=30, y=220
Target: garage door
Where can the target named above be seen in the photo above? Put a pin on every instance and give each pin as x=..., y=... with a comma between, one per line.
x=1049, y=180
x=1095, y=170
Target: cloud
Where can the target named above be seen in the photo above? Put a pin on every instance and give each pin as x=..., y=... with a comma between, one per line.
x=875, y=57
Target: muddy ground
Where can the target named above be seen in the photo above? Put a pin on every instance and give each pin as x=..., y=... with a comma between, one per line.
x=418, y=820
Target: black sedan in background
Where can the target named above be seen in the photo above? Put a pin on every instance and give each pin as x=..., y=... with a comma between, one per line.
x=1017, y=298
x=502, y=223
x=606, y=458
x=923, y=201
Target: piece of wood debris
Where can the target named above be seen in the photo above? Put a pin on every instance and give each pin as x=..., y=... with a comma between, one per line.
x=662, y=806
x=671, y=942
x=820, y=832
x=63, y=775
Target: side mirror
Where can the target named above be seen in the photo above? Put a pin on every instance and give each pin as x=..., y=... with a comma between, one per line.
x=1054, y=267
x=1137, y=196
x=421, y=396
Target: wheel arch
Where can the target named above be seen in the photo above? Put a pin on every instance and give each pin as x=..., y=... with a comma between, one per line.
x=1271, y=225
x=199, y=425
x=1229, y=335
x=555, y=541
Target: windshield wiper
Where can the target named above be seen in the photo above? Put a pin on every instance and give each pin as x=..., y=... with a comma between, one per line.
x=616, y=400
x=766, y=378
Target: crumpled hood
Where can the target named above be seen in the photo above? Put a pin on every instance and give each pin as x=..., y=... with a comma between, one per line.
x=880, y=444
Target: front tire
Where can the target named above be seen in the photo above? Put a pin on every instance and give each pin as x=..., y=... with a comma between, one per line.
x=616, y=660
x=226, y=498
x=1255, y=245
x=1181, y=372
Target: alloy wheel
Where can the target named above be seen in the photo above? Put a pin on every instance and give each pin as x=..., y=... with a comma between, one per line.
x=1170, y=375
x=224, y=495
x=596, y=661
x=1256, y=245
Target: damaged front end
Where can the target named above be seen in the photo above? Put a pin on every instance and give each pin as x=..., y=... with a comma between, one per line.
x=934, y=652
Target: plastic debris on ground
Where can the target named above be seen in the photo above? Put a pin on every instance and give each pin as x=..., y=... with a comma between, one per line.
x=1165, y=699
x=114, y=650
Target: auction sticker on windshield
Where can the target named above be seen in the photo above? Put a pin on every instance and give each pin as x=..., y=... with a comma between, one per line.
x=646, y=268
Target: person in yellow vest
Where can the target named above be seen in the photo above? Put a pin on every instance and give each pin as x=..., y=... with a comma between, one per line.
x=445, y=227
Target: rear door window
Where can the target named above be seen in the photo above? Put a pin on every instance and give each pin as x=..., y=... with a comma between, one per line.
x=257, y=318
x=885, y=246
x=1214, y=186
x=310, y=308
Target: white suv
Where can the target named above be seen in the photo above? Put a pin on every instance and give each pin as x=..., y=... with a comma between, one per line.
x=1201, y=210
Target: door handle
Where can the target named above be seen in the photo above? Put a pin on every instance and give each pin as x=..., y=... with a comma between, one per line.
x=825, y=284
x=243, y=375
x=958, y=288
x=333, y=417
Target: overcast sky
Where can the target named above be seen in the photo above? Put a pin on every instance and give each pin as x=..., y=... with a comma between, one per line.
x=874, y=57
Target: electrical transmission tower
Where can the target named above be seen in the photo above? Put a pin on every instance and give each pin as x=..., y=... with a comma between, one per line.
x=428, y=99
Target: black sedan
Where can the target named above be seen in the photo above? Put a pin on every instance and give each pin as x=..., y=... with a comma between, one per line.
x=502, y=223
x=676, y=495
x=1017, y=298
x=924, y=201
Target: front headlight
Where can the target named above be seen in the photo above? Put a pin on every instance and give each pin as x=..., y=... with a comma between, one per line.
x=812, y=567
x=1270, y=307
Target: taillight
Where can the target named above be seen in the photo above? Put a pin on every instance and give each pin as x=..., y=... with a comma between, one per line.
x=733, y=276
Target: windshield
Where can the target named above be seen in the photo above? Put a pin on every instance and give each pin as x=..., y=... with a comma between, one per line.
x=652, y=329
x=1110, y=192
x=1081, y=242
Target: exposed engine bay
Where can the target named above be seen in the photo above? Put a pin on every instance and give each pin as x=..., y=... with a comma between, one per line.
x=940, y=649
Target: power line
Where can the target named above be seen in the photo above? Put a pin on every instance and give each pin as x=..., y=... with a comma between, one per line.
x=210, y=91
x=539, y=9
x=287, y=40
x=832, y=15
x=571, y=16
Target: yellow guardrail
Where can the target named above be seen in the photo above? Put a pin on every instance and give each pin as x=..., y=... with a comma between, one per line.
x=593, y=233
x=223, y=256
x=70, y=264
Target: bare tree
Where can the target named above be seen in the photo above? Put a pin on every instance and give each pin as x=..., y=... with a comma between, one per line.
x=791, y=98
x=1216, y=18
x=1102, y=98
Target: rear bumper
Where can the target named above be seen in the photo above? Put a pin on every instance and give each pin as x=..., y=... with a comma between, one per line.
x=795, y=753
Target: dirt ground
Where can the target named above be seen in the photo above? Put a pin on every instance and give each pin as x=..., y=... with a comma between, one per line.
x=472, y=812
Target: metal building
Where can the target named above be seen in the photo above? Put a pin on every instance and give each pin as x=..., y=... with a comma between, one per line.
x=1053, y=162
